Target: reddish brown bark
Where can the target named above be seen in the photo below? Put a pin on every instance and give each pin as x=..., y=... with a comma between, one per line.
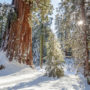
x=84, y=28
x=19, y=43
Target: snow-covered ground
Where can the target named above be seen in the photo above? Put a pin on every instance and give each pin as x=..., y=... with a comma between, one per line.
x=21, y=77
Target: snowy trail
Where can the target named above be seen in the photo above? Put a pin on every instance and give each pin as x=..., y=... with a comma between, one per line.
x=12, y=80
x=35, y=80
x=21, y=77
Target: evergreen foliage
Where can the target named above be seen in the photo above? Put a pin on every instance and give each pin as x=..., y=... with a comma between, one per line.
x=4, y=11
x=69, y=32
x=54, y=57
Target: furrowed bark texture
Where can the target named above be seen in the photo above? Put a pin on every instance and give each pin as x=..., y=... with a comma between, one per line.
x=18, y=38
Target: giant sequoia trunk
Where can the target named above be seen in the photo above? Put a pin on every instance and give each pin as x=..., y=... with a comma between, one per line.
x=18, y=37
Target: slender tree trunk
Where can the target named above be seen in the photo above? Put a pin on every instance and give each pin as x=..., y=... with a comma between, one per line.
x=85, y=35
x=41, y=50
x=41, y=45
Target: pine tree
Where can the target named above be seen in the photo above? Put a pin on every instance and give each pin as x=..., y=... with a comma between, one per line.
x=54, y=57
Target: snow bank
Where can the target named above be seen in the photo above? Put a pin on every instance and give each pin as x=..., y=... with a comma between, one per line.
x=69, y=68
x=21, y=77
x=10, y=67
x=3, y=58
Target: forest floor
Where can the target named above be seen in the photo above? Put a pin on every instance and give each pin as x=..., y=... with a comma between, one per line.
x=21, y=77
